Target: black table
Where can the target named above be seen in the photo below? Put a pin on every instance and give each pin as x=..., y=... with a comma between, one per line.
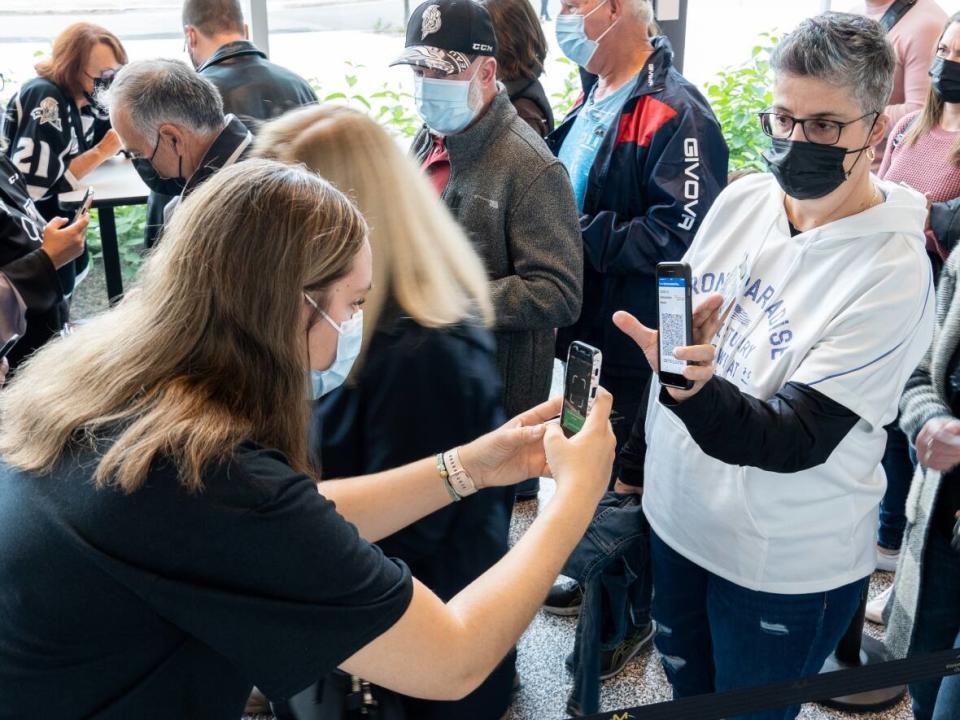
x=115, y=184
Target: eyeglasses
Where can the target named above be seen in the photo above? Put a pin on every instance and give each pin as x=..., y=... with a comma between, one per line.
x=105, y=75
x=815, y=130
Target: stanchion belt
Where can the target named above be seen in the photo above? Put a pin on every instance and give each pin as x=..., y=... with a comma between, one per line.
x=717, y=706
x=895, y=13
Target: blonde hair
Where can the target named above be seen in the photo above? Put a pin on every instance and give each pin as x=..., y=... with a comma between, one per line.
x=422, y=261
x=932, y=112
x=212, y=350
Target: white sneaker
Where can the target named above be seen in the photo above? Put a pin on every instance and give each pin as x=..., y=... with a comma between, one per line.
x=876, y=606
x=886, y=561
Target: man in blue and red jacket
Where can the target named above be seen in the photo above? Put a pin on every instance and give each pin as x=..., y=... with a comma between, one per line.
x=647, y=159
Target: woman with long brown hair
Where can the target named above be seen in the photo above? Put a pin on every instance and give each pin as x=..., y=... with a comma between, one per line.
x=521, y=53
x=424, y=337
x=53, y=129
x=163, y=544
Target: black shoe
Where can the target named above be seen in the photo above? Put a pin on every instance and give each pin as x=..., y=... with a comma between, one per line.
x=612, y=662
x=527, y=490
x=564, y=598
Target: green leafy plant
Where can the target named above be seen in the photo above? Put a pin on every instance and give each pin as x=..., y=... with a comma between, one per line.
x=131, y=222
x=737, y=94
x=563, y=100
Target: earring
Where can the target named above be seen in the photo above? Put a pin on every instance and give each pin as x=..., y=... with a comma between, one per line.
x=872, y=154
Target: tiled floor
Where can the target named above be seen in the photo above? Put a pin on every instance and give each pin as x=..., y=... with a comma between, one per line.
x=546, y=683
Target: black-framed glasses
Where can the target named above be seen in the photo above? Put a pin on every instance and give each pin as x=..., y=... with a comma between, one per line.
x=816, y=130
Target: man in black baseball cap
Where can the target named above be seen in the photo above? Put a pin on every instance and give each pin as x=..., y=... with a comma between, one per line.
x=442, y=35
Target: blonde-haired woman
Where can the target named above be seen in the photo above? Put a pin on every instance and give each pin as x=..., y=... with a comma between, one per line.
x=163, y=546
x=428, y=378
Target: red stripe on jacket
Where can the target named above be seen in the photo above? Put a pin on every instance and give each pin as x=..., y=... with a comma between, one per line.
x=646, y=119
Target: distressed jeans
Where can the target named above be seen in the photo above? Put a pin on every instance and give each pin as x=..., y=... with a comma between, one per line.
x=714, y=635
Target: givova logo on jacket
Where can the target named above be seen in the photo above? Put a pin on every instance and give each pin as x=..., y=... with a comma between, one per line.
x=691, y=186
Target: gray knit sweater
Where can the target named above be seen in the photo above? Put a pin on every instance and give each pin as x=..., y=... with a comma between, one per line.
x=515, y=202
x=924, y=399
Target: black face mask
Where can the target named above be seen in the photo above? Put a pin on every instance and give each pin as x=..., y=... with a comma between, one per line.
x=807, y=171
x=157, y=182
x=945, y=79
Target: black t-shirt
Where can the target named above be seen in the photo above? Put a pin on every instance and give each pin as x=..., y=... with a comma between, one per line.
x=164, y=603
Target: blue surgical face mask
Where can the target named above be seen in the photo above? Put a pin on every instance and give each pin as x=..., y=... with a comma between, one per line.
x=573, y=37
x=444, y=105
x=348, y=348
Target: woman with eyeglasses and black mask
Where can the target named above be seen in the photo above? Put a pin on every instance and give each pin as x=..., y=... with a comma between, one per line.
x=54, y=131
x=815, y=304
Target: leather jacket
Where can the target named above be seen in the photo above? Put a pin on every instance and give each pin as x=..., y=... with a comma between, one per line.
x=252, y=87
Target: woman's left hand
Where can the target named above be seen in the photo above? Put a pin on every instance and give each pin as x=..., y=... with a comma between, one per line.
x=513, y=452
x=699, y=356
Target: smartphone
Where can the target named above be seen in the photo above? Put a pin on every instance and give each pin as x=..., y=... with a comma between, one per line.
x=675, y=321
x=8, y=345
x=84, y=205
x=579, y=386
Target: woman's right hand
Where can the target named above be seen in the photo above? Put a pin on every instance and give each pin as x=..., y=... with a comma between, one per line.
x=64, y=243
x=938, y=444
x=583, y=462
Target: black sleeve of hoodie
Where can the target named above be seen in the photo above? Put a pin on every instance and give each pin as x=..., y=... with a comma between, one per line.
x=797, y=429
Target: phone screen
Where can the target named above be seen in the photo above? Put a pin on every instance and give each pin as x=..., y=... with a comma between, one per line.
x=673, y=330
x=576, y=390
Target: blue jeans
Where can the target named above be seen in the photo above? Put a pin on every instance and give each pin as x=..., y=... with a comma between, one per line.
x=898, y=465
x=937, y=627
x=715, y=636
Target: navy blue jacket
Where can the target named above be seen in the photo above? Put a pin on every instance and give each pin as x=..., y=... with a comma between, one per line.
x=650, y=187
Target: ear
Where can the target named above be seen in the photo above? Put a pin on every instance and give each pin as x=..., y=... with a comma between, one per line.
x=191, y=34
x=173, y=134
x=881, y=129
x=617, y=8
x=488, y=71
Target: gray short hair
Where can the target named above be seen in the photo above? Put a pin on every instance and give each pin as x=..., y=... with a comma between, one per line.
x=642, y=10
x=849, y=51
x=155, y=92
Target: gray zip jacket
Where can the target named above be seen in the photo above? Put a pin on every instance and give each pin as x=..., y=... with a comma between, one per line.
x=515, y=202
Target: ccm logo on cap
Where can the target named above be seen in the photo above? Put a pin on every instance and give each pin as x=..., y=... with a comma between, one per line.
x=483, y=48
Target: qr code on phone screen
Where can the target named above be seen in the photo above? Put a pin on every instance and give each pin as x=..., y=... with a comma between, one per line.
x=672, y=333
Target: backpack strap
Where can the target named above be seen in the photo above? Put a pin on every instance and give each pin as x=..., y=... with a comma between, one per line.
x=895, y=13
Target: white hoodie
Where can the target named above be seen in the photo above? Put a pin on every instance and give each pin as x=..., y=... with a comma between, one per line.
x=847, y=309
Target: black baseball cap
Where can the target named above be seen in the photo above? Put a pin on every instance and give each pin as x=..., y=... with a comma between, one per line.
x=443, y=34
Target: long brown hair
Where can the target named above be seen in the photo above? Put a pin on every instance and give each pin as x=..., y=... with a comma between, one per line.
x=932, y=112
x=211, y=351
x=423, y=262
x=72, y=49
x=521, y=44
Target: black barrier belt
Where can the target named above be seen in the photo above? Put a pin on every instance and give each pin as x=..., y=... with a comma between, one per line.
x=717, y=706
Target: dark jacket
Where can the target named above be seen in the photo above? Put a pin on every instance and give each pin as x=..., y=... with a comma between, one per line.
x=252, y=87
x=945, y=224
x=612, y=564
x=530, y=101
x=515, y=202
x=421, y=391
x=231, y=146
x=26, y=265
x=651, y=185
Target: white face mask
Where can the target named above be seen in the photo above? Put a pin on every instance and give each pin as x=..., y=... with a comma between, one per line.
x=444, y=105
x=348, y=349
x=573, y=37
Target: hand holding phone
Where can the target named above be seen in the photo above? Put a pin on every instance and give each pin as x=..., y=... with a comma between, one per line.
x=579, y=386
x=84, y=206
